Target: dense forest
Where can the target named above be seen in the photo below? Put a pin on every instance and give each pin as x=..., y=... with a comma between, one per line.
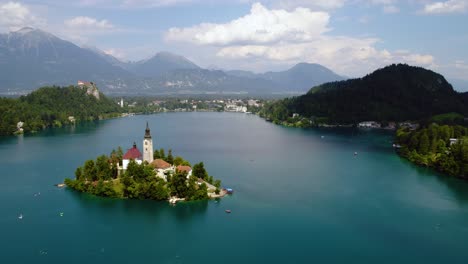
x=100, y=177
x=431, y=146
x=394, y=93
x=52, y=106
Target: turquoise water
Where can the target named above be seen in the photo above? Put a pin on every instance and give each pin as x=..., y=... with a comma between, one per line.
x=299, y=198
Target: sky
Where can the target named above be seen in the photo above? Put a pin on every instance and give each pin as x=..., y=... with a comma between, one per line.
x=351, y=37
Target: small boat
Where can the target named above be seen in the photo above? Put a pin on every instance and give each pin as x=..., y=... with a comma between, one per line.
x=355, y=153
x=228, y=211
x=229, y=190
x=20, y=216
x=61, y=214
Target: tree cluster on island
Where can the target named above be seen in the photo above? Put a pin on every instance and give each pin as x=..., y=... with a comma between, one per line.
x=101, y=177
x=53, y=107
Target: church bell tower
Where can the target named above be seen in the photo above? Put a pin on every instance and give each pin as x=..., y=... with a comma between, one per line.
x=147, y=146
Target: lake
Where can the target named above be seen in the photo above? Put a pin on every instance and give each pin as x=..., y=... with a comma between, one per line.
x=301, y=196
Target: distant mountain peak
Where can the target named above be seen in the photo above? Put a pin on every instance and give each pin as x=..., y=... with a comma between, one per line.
x=25, y=30
x=171, y=57
x=161, y=63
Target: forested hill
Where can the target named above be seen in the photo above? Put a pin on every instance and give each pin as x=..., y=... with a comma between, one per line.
x=52, y=106
x=394, y=93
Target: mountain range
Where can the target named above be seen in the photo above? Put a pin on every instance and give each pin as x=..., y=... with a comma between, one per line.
x=31, y=58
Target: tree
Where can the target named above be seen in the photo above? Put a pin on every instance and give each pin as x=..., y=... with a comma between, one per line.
x=157, y=190
x=162, y=155
x=103, y=168
x=170, y=158
x=217, y=183
x=120, y=154
x=201, y=193
x=156, y=154
x=199, y=171
x=78, y=173
x=424, y=144
x=135, y=171
x=90, y=170
x=179, y=185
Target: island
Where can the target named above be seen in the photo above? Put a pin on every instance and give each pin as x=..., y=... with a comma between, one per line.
x=152, y=175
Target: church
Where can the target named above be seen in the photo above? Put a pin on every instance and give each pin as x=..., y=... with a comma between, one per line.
x=135, y=154
x=161, y=167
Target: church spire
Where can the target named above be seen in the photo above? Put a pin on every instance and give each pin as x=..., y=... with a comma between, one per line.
x=147, y=131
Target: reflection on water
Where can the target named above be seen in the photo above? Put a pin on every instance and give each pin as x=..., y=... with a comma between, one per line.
x=149, y=209
x=458, y=187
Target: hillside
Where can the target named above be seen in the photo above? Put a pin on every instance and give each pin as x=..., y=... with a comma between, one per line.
x=394, y=93
x=52, y=106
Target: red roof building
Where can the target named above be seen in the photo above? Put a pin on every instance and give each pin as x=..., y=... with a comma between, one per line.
x=132, y=153
x=160, y=164
x=182, y=168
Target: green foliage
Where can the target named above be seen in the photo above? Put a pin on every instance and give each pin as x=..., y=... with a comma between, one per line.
x=170, y=158
x=430, y=146
x=396, y=93
x=178, y=185
x=199, y=171
x=217, y=183
x=138, y=182
x=51, y=106
x=162, y=155
x=448, y=118
x=180, y=161
x=89, y=171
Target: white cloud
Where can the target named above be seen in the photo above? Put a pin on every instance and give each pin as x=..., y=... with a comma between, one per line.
x=316, y=4
x=271, y=37
x=260, y=26
x=390, y=9
x=132, y=3
x=388, y=6
x=153, y=3
x=450, y=6
x=88, y=23
x=117, y=53
x=14, y=15
x=83, y=29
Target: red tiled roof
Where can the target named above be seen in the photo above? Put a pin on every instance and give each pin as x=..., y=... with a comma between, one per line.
x=182, y=168
x=132, y=153
x=160, y=164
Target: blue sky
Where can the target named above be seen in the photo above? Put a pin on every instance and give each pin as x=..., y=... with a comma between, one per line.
x=352, y=37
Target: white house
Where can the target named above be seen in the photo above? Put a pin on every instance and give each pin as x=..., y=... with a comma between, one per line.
x=453, y=141
x=161, y=167
x=369, y=124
